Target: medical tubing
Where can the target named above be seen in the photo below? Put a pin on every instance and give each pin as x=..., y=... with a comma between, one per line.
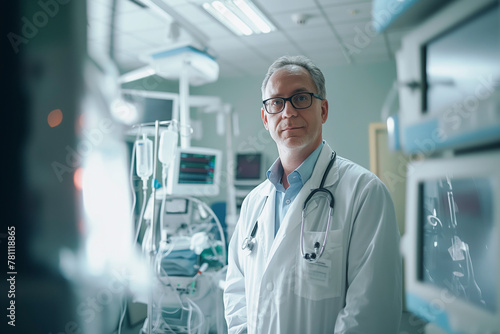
x=200, y=316
x=153, y=193
x=162, y=208
x=330, y=213
x=302, y=236
x=131, y=175
x=153, y=229
x=141, y=216
x=219, y=314
x=217, y=223
x=122, y=316
x=161, y=274
x=330, y=164
x=189, y=318
x=219, y=226
x=170, y=330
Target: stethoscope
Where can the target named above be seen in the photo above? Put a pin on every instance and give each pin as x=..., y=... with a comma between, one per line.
x=250, y=241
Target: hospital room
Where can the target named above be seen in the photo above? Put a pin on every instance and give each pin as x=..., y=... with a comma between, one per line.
x=157, y=181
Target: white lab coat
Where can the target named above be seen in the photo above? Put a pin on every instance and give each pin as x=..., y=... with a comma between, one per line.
x=356, y=288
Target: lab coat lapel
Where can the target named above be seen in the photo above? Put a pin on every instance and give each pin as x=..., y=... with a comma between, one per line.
x=266, y=219
x=292, y=219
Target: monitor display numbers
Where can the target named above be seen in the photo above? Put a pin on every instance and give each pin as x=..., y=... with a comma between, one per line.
x=196, y=168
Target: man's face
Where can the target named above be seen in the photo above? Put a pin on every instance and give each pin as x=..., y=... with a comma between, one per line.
x=294, y=129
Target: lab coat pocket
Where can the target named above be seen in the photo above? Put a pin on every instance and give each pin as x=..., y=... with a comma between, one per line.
x=321, y=279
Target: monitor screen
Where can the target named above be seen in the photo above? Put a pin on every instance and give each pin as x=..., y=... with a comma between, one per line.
x=462, y=64
x=451, y=242
x=457, y=250
x=157, y=109
x=249, y=169
x=195, y=171
x=196, y=168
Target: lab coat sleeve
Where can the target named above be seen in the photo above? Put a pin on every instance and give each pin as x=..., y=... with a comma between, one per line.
x=234, y=292
x=374, y=275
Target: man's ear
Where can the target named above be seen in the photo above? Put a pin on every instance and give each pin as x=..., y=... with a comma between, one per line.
x=263, y=114
x=324, y=110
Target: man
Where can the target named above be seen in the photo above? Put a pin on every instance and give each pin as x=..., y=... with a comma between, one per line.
x=286, y=274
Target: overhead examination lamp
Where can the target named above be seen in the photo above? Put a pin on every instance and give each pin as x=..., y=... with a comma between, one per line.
x=179, y=61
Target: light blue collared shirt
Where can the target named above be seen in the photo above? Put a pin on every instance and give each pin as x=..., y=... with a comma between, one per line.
x=296, y=179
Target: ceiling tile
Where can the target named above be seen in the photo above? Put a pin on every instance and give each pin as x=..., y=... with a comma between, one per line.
x=280, y=6
x=286, y=22
x=357, y=27
x=265, y=39
x=142, y=30
x=349, y=12
x=131, y=44
x=216, y=30
x=326, y=3
x=175, y=2
x=140, y=20
x=363, y=41
x=160, y=38
x=327, y=60
x=312, y=47
x=375, y=53
x=194, y=13
x=225, y=44
x=282, y=49
x=125, y=6
x=307, y=33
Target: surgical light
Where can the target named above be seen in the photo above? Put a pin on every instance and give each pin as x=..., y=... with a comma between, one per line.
x=240, y=16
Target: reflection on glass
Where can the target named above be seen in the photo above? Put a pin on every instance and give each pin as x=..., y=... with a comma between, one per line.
x=457, y=222
x=463, y=64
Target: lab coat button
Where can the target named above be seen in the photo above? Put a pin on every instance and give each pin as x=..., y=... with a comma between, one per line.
x=269, y=286
x=287, y=201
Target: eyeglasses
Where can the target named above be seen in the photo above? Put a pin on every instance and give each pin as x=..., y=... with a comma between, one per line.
x=276, y=105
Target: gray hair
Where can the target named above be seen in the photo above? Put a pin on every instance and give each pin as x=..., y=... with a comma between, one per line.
x=302, y=61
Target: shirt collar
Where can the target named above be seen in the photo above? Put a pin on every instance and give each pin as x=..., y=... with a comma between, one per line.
x=305, y=170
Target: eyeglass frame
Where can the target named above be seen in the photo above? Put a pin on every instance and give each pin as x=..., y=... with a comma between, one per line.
x=319, y=97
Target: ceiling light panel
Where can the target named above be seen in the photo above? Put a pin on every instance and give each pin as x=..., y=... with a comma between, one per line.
x=240, y=16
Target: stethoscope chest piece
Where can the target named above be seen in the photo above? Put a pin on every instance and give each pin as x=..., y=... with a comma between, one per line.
x=249, y=242
x=248, y=245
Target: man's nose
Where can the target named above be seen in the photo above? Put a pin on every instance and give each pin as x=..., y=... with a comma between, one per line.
x=288, y=110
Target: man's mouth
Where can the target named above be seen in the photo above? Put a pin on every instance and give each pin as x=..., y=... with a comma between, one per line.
x=288, y=128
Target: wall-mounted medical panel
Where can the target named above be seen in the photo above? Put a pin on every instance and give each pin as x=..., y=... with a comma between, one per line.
x=449, y=79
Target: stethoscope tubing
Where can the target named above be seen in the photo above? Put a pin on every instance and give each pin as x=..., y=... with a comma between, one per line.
x=248, y=242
